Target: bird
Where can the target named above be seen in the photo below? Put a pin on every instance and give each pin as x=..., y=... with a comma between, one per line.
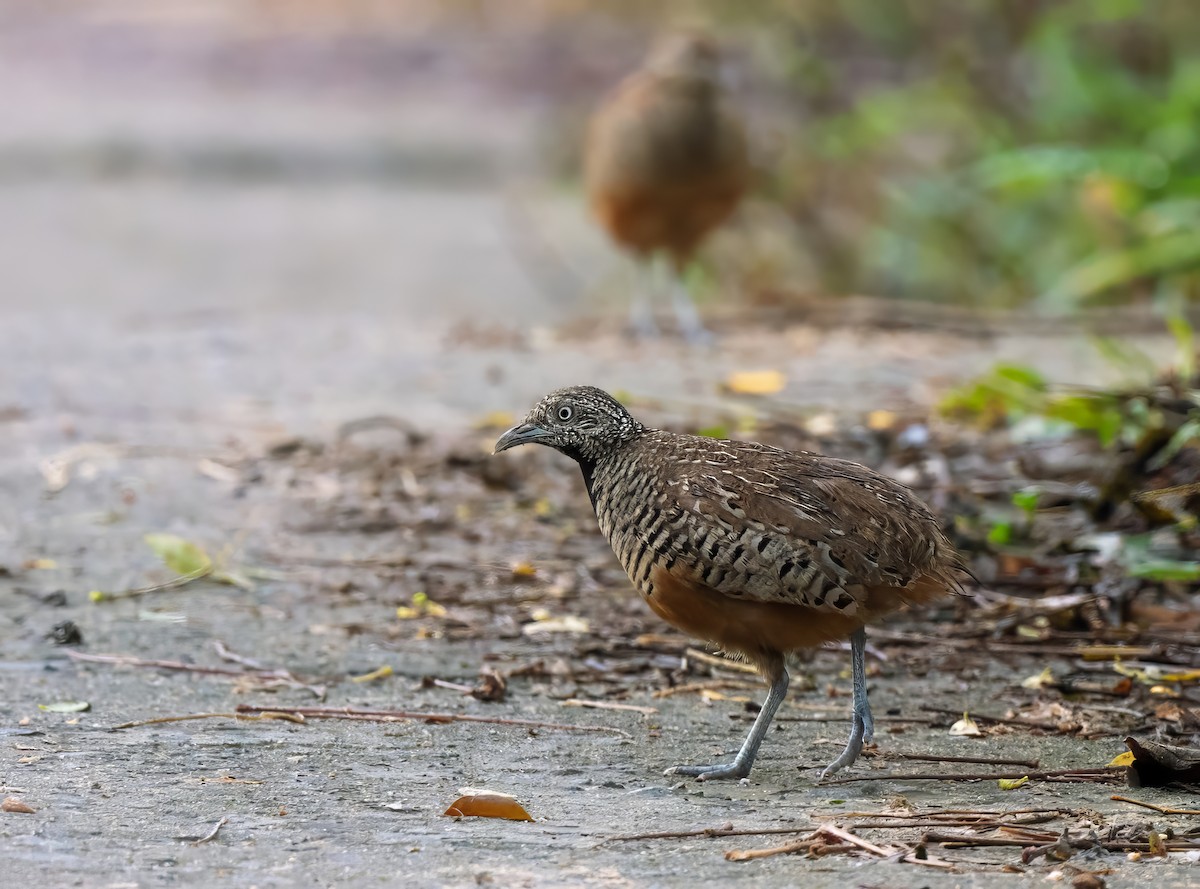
x=665, y=163
x=757, y=549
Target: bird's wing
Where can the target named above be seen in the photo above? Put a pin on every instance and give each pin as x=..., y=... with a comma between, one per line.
x=827, y=534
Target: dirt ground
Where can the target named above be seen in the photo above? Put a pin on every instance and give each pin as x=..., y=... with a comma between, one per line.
x=283, y=375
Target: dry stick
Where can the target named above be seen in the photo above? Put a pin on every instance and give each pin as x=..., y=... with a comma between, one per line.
x=707, y=832
x=212, y=834
x=966, y=841
x=172, y=584
x=804, y=845
x=1068, y=774
x=395, y=715
x=1002, y=720
x=608, y=705
x=847, y=837
x=159, y=720
x=907, y=720
x=1166, y=810
x=125, y=660
x=723, y=663
x=710, y=685
x=982, y=760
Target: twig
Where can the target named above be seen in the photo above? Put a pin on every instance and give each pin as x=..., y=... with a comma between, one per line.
x=247, y=717
x=278, y=676
x=967, y=840
x=723, y=663
x=225, y=654
x=173, y=584
x=1100, y=774
x=846, y=837
x=1165, y=810
x=906, y=720
x=710, y=685
x=608, y=705
x=983, y=760
x=212, y=834
x=707, y=832
x=397, y=715
x=804, y=845
x=1002, y=720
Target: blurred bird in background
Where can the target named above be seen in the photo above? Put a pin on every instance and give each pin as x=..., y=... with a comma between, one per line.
x=665, y=163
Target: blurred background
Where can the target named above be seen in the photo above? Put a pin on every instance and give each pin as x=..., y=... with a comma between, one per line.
x=360, y=153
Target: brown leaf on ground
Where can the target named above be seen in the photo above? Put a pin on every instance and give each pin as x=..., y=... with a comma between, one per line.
x=487, y=804
x=1157, y=765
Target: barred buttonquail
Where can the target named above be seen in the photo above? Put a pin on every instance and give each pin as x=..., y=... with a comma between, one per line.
x=760, y=550
x=665, y=163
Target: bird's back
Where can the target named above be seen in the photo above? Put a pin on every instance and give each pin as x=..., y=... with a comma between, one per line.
x=800, y=535
x=665, y=162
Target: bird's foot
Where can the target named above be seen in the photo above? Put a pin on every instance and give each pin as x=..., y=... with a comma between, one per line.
x=733, y=770
x=862, y=730
x=697, y=336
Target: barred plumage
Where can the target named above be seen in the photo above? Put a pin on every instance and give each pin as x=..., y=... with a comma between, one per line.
x=760, y=550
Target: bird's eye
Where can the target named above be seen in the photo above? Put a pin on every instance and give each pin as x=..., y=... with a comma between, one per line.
x=565, y=413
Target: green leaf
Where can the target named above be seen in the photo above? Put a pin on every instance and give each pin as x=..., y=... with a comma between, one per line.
x=1012, y=783
x=714, y=432
x=66, y=707
x=1026, y=500
x=1166, y=569
x=1174, y=252
x=181, y=556
x=1185, y=340
x=1001, y=533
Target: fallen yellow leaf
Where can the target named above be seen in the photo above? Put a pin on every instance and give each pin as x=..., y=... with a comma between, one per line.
x=1041, y=680
x=524, y=569
x=1122, y=759
x=1013, y=783
x=380, y=673
x=755, y=382
x=966, y=728
x=487, y=804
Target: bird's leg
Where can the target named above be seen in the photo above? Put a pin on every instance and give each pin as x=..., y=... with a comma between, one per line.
x=863, y=727
x=690, y=325
x=740, y=767
x=641, y=307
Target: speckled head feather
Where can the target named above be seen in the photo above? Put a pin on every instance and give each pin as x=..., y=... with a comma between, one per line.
x=583, y=422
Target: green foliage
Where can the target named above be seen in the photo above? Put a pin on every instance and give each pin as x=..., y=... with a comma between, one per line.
x=986, y=151
x=1006, y=392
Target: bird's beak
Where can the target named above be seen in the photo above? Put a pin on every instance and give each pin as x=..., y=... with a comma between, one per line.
x=520, y=434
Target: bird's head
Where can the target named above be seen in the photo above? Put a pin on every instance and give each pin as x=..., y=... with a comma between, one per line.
x=687, y=55
x=583, y=422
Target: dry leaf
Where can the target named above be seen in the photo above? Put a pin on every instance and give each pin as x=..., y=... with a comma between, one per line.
x=1122, y=759
x=12, y=804
x=966, y=728
x=66, y=707
x=524, y=570
x=1041, y=680
x=379, y=673
x=487, y=804
x=568, y=623
x=755, y=382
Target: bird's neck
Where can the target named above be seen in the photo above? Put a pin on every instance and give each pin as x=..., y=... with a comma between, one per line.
x=588, y=468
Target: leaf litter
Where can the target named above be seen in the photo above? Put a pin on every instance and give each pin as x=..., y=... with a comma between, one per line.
x=1078, y=511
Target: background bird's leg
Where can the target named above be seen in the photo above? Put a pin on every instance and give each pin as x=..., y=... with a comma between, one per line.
x=641, y=302
x=863, y=726
x=690, y=325
x=740, y=767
